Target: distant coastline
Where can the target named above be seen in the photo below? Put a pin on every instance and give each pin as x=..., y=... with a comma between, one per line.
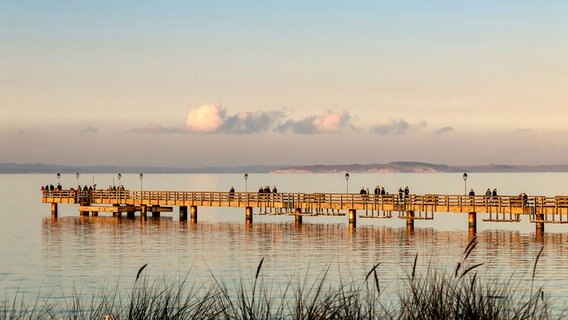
x=392, y=167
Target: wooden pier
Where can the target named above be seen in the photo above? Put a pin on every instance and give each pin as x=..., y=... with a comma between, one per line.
x=540, y=209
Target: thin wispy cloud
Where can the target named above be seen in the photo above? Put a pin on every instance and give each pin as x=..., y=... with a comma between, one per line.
x=443, y=130
x=89, y=130
x=396, y=127
x=158, y=129
x=331, y=122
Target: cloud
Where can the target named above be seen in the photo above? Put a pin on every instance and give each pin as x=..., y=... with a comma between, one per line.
x=157, y=129
x=250, y=122
x=212, y=118
x=443, y=130
x=396, y=127
x=331, y=122
x=207, y=118
x=89, y=130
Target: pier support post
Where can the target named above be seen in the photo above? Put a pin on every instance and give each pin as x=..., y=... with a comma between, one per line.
x=410, y=221
x=352, y=217
x=143, y=211
x=54, y=210
x=130, y=214
x=472, y=222
x=410, y=218
x=193, y=214
x=248, y=215
x=182, y=213
x=298, y=216
x=155, y=211
x=539, y=225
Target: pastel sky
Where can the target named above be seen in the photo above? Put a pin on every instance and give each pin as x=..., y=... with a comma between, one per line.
x=222, y=83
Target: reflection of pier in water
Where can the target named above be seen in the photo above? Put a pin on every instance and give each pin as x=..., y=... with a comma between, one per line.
x=539, y=209
x=364, y=238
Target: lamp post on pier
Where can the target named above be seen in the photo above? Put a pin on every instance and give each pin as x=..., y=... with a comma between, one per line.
x=347, y=181
x=58, y=179
x=141, y=176
x=465, y=183
x=246, y=183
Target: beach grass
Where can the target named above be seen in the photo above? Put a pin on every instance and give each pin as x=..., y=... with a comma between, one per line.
x=427, y=294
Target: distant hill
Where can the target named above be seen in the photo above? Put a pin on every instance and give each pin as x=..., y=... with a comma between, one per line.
x=393, y=167
x=418, y=167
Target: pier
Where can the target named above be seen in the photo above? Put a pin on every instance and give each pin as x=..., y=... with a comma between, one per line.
x=412, y=207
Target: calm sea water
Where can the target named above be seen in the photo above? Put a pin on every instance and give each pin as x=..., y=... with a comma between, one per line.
x=41, y=256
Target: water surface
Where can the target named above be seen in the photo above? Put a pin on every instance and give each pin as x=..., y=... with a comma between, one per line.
x=41, y=255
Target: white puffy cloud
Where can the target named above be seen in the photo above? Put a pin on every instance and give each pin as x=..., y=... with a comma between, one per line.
x=207, y=118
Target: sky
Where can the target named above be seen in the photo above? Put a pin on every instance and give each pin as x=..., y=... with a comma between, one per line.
x=230, y=83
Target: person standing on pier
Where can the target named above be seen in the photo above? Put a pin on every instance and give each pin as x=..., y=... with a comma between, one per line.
x=231, y=193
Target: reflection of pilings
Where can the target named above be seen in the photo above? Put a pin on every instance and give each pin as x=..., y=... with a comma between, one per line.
x=298, y=216
x=472, y=222
x=352, y=217
x=54, y=210
x=248, y=215
x=182, y=213
x=539, y=236
x=143, y=211
x=471, y=234
x=193, y=214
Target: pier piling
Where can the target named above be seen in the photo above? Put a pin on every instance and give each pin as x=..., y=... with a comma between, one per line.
x=193, y=214
x=248, y=215
x=182, y=213
x=54, y=210
x=352, y=217
x=298, y=216
x=472, y=222
x=539, y=223
x=410, y=218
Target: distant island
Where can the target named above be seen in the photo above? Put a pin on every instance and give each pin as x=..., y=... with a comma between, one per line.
x=392, y=167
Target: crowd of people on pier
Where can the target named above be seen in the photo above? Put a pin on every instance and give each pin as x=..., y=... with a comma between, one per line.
x=51, y=187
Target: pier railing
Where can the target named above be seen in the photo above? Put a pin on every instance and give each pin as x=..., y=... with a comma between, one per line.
x=317, y=201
